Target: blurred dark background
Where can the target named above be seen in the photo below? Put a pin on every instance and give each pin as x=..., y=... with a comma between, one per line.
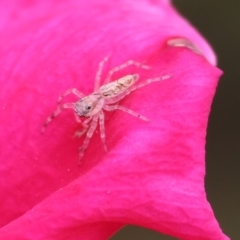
x=219, y=22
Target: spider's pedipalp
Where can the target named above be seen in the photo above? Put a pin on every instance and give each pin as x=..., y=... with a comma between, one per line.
x=77, y=118
x=85, y=122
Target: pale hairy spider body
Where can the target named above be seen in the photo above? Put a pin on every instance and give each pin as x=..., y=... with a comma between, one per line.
x=105, y=97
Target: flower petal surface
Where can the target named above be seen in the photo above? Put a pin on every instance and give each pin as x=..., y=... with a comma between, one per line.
x=153, y=173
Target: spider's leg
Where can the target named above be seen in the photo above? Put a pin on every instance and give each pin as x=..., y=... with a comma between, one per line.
x=148, y=81
x=89, y=134
x=70, y=91
x=98, y=74
x=57, y=112
x=102, y=129
x=127, y=110
x=124, y=65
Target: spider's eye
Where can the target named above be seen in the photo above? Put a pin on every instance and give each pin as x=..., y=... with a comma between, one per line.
x=89, y=107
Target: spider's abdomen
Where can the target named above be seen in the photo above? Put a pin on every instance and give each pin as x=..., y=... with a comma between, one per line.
x=117, y=87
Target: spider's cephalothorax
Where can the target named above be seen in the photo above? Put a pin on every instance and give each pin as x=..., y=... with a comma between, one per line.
x=105, y=97
x=89, y=105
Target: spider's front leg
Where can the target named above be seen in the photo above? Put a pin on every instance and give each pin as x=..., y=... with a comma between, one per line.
x=57, y=112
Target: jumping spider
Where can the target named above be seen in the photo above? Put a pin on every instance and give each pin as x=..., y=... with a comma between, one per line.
x=105, y=97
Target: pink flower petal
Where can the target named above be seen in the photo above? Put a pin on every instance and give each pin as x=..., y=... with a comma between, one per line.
x=153, y=174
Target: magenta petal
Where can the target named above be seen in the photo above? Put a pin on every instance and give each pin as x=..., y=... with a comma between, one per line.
x=157, y=182
x=153, y=174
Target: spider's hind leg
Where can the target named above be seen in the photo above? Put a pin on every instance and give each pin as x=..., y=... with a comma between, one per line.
x=122, y=66
x=70, y=91
x=127, y=110
x=99, y=73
